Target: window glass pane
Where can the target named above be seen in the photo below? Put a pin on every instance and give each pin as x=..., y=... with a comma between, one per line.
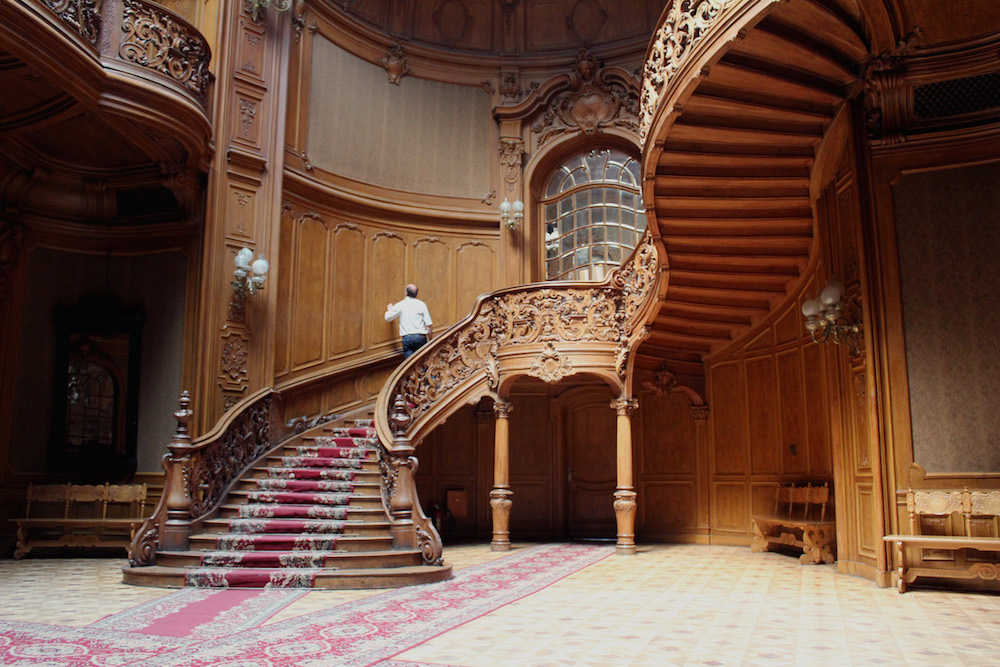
x=582, y=256
x=551, y=212
x=614, y=254
x=628, y=200
x=580, y=200
x=597, y=214
x=612, y=234
x=567, y=243
x=628, y=219
x=597, y=234
x=628, y=238
x=611, y=214
x=582, y=219
x=567, y=263
x=552, y=268
x=566, y=224
x=581, y=237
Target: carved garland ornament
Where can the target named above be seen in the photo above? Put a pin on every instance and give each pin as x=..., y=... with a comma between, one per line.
x=551, y=365
x=536, y=315
x=83, y=15
x=511, y=152
x=684, y=26
x=154, y=39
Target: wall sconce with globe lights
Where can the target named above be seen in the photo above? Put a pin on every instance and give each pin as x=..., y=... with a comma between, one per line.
x=830, y=320
x=512, y=215
x=250, y=274
x=257, y=8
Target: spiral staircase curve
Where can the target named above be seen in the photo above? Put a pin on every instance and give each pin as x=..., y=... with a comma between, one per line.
x=738, y=98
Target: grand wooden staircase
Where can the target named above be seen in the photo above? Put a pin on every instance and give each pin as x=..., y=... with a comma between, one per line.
x=307, y=514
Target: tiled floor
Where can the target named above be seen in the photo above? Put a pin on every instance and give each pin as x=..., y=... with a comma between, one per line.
x=670, y=604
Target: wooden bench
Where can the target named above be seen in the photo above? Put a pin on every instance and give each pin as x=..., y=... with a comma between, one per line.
x=978, y=511
x=799, y=520
x=74, y=515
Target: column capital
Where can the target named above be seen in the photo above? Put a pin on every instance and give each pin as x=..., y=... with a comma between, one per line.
x=624, y=406
x=699, y=413
x=502, y=409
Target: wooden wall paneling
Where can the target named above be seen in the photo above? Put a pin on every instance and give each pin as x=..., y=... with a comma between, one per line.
x=486, y=430
x=762, y=416
x=794, y=444
x=387, y=280
x=668, y=509
x=728, y=426
x=309, y=311
x=476, y=269
x=666, y=433
x=730, y=512
x=789, y=327
x=819, y=449
x=762, y=495
x=433, y=262
x=868, y=540
x=349, y=267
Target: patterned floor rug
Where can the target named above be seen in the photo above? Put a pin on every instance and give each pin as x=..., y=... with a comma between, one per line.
x=362, y=633
x=202, y=613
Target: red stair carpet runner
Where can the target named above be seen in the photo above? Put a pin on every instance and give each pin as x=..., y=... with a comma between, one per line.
x=289, y=526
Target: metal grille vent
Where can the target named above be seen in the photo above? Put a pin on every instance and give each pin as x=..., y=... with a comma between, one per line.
x=957, y=96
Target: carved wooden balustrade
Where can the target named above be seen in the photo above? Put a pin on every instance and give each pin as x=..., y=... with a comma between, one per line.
x=684, y=43
x=200, y=473
x=546, y=330
x=153, y=42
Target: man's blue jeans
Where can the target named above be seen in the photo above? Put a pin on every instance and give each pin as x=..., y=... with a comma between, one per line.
x=412, y=343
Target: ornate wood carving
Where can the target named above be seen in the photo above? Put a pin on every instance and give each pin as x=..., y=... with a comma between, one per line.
x=555, y=317
x=394, y=62
x=683, y=27
x=595, y=99
x=155, y=39
x=884, y=89
x=511, y=152
x=83, y=15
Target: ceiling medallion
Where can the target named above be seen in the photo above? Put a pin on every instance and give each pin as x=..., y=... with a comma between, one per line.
x=551, y=365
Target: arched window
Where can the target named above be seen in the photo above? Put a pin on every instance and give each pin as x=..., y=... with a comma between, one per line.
x=594, y=214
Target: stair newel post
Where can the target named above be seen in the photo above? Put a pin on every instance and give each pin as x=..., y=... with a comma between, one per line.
x=625, y=493
x=500, y=496
x=404, y=534
x=177, y=529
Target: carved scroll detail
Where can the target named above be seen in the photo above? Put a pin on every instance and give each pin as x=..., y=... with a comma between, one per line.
x=154, y=39
x=83, y=15
x=684, y=26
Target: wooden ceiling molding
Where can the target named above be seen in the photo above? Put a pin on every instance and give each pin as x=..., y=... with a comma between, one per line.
x=737, y=100
x=110, y=121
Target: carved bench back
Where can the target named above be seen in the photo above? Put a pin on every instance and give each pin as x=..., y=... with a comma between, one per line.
x=802, y=502
x=942, y=503
x=84, y=501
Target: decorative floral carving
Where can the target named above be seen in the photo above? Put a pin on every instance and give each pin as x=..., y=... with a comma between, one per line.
x=699, y=413
x=155, y=39
x=684, y=26
x=936, y=502
x=248, y=112
x=624, y=406
x=83, y=15
x=663, y=382
x=215, y=465
x=595, y=99
x=394, y=62
x=234, y=360
x=511, y=151
x=551, y=365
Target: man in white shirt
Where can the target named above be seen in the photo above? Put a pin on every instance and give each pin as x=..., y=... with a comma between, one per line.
x=414, y=321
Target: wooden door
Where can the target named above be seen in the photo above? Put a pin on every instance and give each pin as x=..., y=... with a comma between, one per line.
x=589, y=445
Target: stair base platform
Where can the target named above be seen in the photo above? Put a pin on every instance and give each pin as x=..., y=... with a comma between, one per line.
x=322, y=578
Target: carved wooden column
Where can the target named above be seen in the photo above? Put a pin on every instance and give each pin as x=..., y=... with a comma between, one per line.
x=625, y=493
x=177, y=527
x=404, y=465
x=500, y=495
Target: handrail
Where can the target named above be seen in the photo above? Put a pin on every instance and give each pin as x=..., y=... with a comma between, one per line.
x=467, y=355
x=199, y=473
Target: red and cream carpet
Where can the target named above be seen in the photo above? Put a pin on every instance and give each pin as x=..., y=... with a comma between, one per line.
x=195, y=627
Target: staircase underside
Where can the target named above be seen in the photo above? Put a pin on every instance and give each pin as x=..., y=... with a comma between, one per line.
x=307, y=515
x=731, y=188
